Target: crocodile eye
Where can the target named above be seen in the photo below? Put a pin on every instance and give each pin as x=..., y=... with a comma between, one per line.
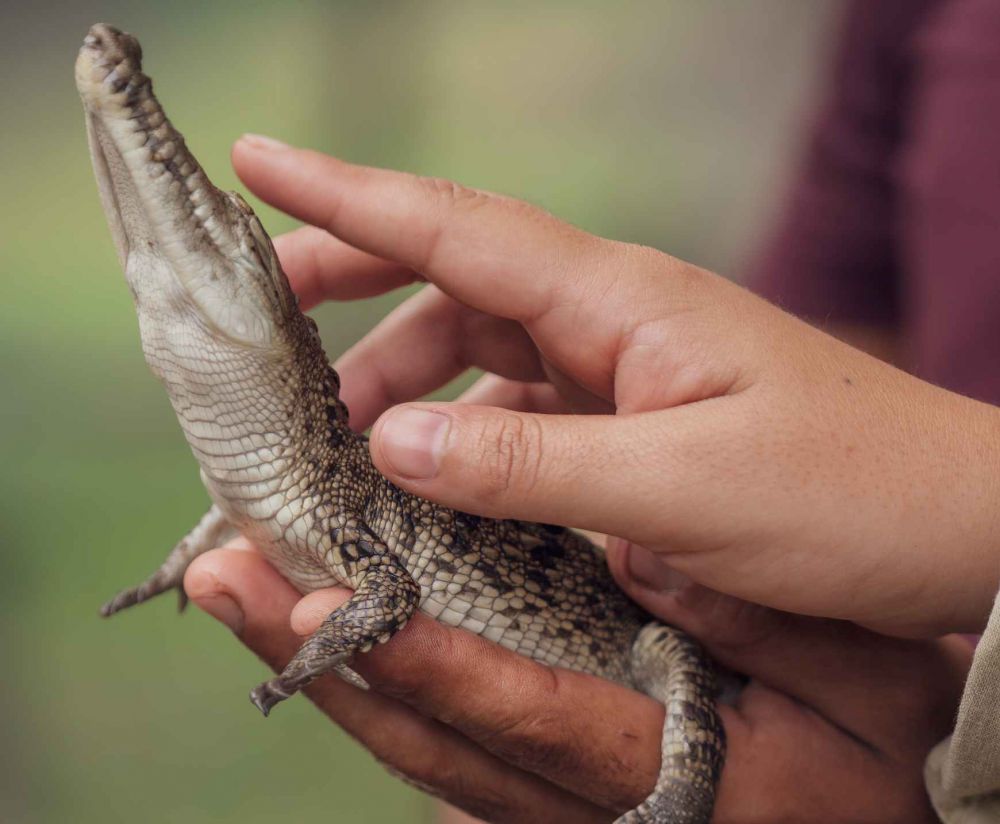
x=255, y=242
x=265, y=248
x=240, y=203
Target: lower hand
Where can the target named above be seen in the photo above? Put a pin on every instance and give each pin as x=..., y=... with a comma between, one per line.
x=833, y=726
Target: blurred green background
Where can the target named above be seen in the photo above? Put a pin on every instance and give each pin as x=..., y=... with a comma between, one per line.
x=669, y=123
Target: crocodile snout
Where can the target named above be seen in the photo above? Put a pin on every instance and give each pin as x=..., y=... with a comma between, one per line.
x=109, y=63
x=113, y=44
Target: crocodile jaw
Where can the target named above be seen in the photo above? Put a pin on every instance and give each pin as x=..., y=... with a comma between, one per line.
x=185, y=246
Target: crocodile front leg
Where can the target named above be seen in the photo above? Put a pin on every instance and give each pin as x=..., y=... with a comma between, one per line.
x=212, y=530
x=383, y=601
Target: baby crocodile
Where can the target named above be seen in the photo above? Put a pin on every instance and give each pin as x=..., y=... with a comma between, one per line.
x=259, y=404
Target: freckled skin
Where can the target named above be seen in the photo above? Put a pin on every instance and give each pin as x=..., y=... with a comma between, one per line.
x=259, y=405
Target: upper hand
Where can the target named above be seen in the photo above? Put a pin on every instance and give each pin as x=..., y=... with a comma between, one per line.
x=752, y=452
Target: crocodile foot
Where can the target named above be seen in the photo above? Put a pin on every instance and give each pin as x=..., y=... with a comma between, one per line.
x=265, y=696
x=154, y=585
x=210, y=531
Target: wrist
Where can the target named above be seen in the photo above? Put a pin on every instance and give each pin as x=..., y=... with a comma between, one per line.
x=983, y=573
x=964, y=568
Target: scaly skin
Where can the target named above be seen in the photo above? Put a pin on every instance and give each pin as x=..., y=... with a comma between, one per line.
x=259, y=405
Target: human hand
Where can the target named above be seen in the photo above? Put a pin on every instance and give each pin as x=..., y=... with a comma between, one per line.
x=833, y=727
x=749, y=451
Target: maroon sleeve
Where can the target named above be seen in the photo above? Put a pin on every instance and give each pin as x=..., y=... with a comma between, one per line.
x=950, y=195
x=832, y=253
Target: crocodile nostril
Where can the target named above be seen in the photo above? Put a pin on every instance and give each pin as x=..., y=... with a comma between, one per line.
x=132, y=48
x=100, y=30
x=117, y=83
x=116, y=44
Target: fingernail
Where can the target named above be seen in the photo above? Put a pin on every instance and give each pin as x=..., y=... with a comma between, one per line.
x=412, y=441
x=223, y=608
x=652, y=572
x=260, y=141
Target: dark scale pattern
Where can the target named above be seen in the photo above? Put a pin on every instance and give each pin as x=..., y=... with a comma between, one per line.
x=541, y=591
x=260, y=407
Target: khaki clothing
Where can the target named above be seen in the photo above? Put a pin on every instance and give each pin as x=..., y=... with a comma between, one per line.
x=963, y=771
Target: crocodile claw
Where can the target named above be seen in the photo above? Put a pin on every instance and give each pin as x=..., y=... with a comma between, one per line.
x=350, y=676
x=265, y=696
x=132, y=596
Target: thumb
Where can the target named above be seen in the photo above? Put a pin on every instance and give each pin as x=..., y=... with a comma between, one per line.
x=563, y=469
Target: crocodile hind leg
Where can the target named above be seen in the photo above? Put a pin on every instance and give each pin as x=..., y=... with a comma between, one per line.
x=210, y=531
x=670, y=667
x=382, y=603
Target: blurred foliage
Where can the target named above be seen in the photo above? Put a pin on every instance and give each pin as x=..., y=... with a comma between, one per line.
x=660, y=122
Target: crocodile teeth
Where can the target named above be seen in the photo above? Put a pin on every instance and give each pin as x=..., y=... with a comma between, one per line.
x=164, y=151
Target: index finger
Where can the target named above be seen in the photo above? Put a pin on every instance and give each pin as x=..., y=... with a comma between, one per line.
x=521, y=259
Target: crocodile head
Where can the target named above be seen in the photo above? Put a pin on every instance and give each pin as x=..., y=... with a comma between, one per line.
x=195, y=258
x=243, y=367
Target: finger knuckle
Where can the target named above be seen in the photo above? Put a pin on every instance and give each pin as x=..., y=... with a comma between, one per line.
x=642, y=257
x=444, y=776
x=449, y=198
x=741, y=625
x=452, y=193
x=534, y=745
x=400, y=667
x=511, y=449
x=536, y=742
x=435, y=776
x=525, y=211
